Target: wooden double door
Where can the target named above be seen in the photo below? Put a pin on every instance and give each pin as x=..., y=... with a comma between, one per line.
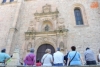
x=41, y=50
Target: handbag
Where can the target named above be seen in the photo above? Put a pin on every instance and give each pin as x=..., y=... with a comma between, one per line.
x=71, y=59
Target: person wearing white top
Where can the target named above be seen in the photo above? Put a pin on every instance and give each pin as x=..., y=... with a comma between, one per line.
x=47, y=58
x=58, y=58
x=98, y=57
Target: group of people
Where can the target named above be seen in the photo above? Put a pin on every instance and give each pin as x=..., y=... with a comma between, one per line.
x=72, y=58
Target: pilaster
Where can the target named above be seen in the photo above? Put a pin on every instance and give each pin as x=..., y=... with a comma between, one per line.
x=12, y=29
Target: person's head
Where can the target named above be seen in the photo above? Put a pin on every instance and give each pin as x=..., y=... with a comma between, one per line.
x=32, y=50
x=3, y=50
x=87, y=48
x=37, y=60
x=58, y=49
x=73, y=48
x=48, y=51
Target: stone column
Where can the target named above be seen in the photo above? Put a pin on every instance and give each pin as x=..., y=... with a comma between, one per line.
x=12, y=29
x=10, y=39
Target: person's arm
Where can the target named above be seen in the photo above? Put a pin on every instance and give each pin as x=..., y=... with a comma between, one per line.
x=25, y=60
x=7, y=58
x=65, y=59
x=98, y=58
x=34, y=60
x=42, y=59
x=68, y=61
x=81, y=60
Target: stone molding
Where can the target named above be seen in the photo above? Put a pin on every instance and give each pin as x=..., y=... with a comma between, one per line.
x=46, y=12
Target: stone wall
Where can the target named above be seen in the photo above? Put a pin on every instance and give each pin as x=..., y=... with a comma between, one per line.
x=7, y=15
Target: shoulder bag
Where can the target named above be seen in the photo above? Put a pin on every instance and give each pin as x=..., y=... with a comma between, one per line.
x=44, y=58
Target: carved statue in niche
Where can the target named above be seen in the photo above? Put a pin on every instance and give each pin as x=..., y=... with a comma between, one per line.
x=46, y=28
x=61, y=25
x=29, y=46
x=61, y=45
x=31, y=26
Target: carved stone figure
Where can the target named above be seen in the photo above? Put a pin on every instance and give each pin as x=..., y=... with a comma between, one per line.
x=46, y=8
x=29, y=46
x=61, y=25
x=46, y=28
x=61, y=45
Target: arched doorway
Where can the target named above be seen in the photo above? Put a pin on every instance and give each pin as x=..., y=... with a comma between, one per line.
x=42, y=48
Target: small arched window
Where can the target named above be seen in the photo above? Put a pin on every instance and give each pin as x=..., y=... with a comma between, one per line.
x=78, y=16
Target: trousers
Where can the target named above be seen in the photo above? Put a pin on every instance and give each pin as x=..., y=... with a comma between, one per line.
x=58, y=64
x=91, y=63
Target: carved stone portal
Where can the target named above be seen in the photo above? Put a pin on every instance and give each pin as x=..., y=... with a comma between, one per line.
x=44, y=32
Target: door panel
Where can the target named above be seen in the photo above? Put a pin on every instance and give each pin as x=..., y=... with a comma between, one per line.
x=42, y=48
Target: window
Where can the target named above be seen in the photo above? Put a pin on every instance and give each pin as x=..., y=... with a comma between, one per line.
x=78, y=16
x=4, y=1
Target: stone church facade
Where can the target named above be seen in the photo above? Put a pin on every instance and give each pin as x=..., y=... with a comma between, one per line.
x=42, y=24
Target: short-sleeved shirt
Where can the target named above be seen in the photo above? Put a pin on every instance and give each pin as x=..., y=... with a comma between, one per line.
x=76, y=60
x=89, y=55
x=46, y=59
x=3, y=57
x=30, y=59
x=58, y=57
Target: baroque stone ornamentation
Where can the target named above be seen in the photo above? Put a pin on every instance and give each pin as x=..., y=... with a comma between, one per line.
x=46, y=11
x=47, y=35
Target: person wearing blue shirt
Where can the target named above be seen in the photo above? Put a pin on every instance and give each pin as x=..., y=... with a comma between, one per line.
x=74, y=57
x=89, y=57
x=3, y=57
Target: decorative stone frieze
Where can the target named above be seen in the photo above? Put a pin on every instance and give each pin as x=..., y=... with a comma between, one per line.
x=46, y=12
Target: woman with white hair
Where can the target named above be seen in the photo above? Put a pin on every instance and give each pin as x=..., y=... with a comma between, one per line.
x=47, y=58
x=30, y=58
